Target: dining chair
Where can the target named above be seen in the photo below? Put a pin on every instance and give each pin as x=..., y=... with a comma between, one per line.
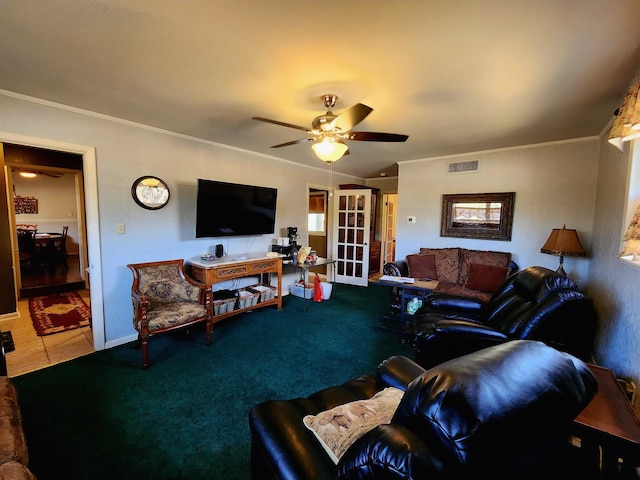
x=60, y=249
x=27, y=248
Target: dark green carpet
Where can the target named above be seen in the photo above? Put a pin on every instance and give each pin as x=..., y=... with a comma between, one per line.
x=104, y=417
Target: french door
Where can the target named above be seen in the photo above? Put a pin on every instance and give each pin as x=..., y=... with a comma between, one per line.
x=351, y=224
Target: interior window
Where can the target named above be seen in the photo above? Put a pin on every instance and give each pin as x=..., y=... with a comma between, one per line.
x=317, y=213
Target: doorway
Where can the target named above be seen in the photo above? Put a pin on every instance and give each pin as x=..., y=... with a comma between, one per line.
x=92, y=224
x=352, y=230
x=47, y=197
x=389, y=213
x=317, y=225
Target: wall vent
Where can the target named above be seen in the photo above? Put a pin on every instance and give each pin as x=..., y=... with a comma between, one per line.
x=462, y=167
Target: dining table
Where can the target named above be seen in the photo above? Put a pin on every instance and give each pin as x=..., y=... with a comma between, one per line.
x=45, y=244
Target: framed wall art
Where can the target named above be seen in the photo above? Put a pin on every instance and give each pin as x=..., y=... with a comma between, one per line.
x=25, y=205
x=150, y=192
x=478, y=215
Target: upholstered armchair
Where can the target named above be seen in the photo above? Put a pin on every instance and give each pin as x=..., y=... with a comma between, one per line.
x=165, y=299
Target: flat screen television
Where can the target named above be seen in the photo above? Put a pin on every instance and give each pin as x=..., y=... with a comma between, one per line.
x=226, y=209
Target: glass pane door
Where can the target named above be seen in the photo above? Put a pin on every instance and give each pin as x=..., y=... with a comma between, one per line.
x=351, y=241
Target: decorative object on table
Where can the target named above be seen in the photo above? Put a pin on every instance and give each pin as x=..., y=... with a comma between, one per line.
x=477, y=215
x=563, y=242
x=25, y=205
x=413, y=305
x=632, y=238
x=150, y=192
x=329, y=132
x=626, y=126
x=303, y=253
x=58, y=313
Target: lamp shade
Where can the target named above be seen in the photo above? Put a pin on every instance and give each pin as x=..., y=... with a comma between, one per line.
x=626, y=126
x=632, y=236
x=329, y=149
x=564, y=242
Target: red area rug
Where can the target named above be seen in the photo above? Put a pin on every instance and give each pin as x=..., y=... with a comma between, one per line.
x=58, y=313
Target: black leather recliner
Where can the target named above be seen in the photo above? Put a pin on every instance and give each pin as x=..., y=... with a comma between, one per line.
x=533, y=304
x=503, y=413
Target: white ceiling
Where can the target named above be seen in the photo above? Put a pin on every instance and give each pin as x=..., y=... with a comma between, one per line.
x=455, y=75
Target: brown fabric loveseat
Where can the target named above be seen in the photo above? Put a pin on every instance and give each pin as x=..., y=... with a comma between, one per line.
x=459, y=271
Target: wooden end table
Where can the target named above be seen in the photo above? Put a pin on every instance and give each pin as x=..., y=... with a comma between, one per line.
x=607, y=431
x=404, y=321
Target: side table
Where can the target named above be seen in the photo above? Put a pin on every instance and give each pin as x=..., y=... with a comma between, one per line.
x=419, y=289
x=607, y=431
x=304, y=267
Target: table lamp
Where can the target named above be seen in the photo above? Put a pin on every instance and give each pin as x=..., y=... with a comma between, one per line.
x=563, y=242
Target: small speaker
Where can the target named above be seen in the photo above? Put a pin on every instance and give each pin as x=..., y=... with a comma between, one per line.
x=219, y=250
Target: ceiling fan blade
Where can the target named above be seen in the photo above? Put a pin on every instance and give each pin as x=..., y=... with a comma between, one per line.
x=283, y=124
x=293, y=142
x=351, y=117
x=376, y=137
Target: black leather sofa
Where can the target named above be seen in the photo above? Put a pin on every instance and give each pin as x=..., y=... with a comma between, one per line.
x=501, y=413
x=533, y=304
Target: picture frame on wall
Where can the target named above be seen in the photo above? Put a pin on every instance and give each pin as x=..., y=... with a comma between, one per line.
x=25, y=205
x=478, y=215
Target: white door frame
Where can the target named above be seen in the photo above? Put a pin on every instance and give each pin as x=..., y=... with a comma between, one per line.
x=90, y=175
x=328, y=221
x=385, y=226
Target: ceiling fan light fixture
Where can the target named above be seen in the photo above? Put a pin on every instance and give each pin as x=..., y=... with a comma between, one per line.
x=329, y=149
x=27, y=174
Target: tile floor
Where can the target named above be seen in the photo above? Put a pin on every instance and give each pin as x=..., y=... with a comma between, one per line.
x=33, y=352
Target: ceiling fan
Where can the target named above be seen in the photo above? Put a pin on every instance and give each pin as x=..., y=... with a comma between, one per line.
x=330, y=131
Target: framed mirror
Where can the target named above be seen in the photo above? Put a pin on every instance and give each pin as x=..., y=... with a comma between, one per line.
x=150, y=192
x=478, y=215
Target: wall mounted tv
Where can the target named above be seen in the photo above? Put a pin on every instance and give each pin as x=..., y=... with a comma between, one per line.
x=226, y=209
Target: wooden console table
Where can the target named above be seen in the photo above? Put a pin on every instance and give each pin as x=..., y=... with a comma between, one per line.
x=232, y=267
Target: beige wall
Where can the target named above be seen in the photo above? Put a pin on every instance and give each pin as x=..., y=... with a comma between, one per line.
x=554, y=184
x=56, y=205
x=127, y=151
x=613, y=285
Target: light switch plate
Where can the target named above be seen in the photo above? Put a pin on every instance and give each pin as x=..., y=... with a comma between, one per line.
x=411, y=219
x=120, y=229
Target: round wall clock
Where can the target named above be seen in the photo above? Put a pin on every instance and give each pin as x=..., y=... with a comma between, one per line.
x=150, y=192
